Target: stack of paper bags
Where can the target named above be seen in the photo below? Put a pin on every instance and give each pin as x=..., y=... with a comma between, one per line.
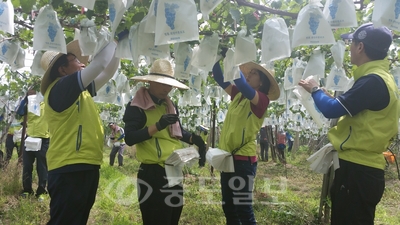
x=176, y=161
x=221, y=160
x=323, y=159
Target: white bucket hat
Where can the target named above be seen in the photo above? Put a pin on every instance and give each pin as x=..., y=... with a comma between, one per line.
x=274, y=91
x=161, y=72
x=50, y=57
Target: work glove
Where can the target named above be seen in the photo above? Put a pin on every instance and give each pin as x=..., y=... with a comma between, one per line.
x=165, y=120
x=223, y=51
x=197, y=140
x=121, y=35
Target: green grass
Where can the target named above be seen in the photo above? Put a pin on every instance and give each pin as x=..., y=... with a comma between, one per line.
x=282, y=195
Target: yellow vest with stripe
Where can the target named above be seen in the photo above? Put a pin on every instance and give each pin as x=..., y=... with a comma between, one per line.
x=76, y=133
x=362, y=138
x=158, y=148
x=240, y=128
x=37, y=125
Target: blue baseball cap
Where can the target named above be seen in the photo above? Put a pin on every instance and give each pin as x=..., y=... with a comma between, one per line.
x=376, y=38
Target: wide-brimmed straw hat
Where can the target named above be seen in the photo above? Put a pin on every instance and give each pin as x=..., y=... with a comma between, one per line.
x=274, y=91
x=161, y=72
x=50, y=57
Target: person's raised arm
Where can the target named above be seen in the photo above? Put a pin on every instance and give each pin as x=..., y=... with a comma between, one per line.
x=107, y=73
x=98, y=64
x=219, y=78
x=247, y=91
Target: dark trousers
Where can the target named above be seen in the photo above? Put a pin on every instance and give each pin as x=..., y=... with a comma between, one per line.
x=290, y=145
x=202, y=153
x=159, y=204
x=28, y=159
x=113, y=153
x=264, y=151
x=355, y=192
x=10, y=145
x=72, y=196
x=237, y=193
x=281, y=150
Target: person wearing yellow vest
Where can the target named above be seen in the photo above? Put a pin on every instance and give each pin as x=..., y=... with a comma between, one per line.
x=152, y=125
x=37, y=128
x=118, y=143
x=11, y=144
x=76, y=131
x=368, y=119
x=250, y=95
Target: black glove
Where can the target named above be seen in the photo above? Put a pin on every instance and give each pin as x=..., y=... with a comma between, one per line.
x=223, y=51
x=165, y=120
x=197, y=140
x=121, y=35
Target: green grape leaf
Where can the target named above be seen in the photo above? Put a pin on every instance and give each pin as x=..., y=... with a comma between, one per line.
x=137, y=17
x=251, y=21
x=27, y=5
x=16, y=3
x=235, y=13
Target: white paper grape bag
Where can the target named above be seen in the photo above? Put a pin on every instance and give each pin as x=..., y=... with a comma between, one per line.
x=308, y=102
x=204, y=57
x=103, y=38
x=195, y=82
x=183, y=58
x=288, y=79
x=36, y=68
x=107, y=93
x=312, y=28
x=88, y=37
x=89, y=4
x=77, y=33
x=207, y=6
x=275, y=43
x=387, y=13
x=47, y=32
x=9, y=51
x=231, y=71
x=245, y=48
x=337, y=51
x=150, y=24
x=116, y=10
x=7, y=17
x=146, y=44
x=176, y=21
x=19, y=61
x=337, y=79
x=294, y=74
x=123, y=50
x=340, y=13
x=120, y=81
x=33, y=105
x=316, y=65
x=134, y=43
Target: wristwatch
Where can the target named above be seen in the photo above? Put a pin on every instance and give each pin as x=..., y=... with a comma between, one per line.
x=314, y=89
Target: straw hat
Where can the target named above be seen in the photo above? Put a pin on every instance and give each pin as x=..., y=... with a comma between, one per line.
x=274, y=91
x=50, y=57
x=161, y=72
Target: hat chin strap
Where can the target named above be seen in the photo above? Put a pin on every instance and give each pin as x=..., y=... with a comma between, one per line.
x=163, y=75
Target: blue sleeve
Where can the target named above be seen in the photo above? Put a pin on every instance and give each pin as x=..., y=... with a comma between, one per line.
x=244, y=87
x=21, y=107
x=218, y=76
x=329, y=107
x=368, y=92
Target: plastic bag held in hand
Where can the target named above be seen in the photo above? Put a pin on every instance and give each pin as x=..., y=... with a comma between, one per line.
x=165, y=120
